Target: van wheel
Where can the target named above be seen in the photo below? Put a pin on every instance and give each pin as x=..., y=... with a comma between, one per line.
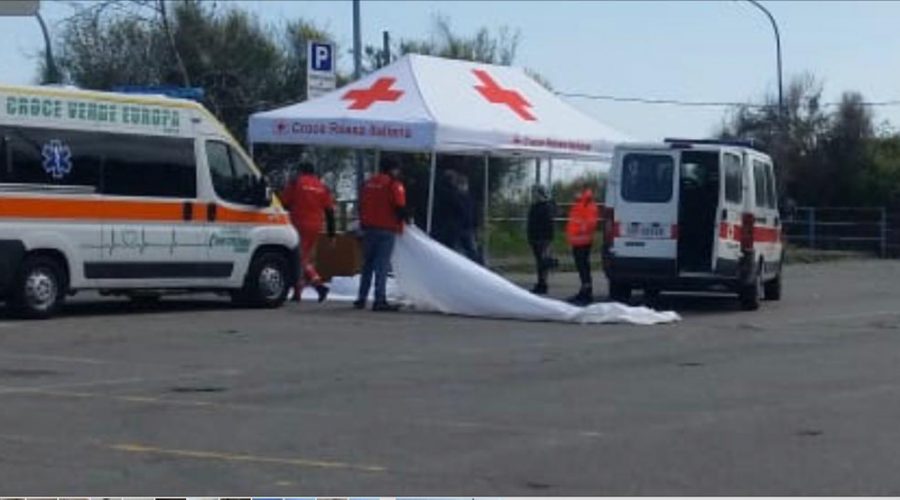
x=651, y=297
x=619, y=292
x=751, y=294
x=40, y=288
x=772, y=288
x=266, y=284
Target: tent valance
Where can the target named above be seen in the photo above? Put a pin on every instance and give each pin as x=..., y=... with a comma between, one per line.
x=431, y=104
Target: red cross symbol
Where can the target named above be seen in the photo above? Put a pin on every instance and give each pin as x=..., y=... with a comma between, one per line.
x=496, y=94
x=379, y=91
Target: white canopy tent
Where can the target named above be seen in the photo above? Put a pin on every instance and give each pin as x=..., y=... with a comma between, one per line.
x=435, y=105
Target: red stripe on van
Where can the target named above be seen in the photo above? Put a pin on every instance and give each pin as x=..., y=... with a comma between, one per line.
x=760, y=234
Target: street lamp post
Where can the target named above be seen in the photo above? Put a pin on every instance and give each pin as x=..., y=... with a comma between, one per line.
x=778, y=53
x=52, y=74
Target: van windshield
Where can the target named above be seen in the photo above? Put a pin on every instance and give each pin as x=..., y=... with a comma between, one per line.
x=647, y=178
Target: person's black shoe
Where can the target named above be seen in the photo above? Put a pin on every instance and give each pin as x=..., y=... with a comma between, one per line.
x=539, y=289
x=322, y=290
x=359, y=304
x=584, y=297
x=385, y=307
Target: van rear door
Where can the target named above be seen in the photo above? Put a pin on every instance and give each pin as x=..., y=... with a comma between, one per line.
x=646, y=207
x=728, y=237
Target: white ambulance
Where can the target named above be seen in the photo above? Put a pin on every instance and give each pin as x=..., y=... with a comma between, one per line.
x=131, y=195
x=693, y=215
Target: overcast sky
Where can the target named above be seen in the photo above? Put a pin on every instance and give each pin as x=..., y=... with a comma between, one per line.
x=685, y=50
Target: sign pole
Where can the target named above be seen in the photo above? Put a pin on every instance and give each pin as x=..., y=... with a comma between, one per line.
x=431, y=177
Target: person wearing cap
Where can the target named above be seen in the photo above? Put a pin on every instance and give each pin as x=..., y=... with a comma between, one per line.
x=311, y=205
x=540, y=234
x=382, y=213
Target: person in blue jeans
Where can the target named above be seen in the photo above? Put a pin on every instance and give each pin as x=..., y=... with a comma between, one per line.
x=382, y=213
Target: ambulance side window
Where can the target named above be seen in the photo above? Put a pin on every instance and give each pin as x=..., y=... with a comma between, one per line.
x=148, y=166
x=232, y=178
x=46, y=158
x=734, y=178
x=773, y=192
x=760, y=184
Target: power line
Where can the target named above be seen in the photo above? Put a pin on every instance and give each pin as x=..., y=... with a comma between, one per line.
x=714, y=104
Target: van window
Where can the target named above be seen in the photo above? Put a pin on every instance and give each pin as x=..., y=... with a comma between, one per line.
x=734, y=178
x=760, y=184
x=47, y=157
x=149, y=166
x=773, y=192
x=232, y=178
x=647, y=178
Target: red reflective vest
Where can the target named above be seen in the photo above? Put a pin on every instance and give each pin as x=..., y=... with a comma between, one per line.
x=583, y=218
x=307, y=198
x=382, y=196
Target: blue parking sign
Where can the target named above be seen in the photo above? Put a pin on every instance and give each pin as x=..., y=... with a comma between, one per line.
x=321, y=57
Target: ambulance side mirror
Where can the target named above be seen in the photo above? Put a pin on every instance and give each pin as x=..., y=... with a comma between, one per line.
x=262, y=193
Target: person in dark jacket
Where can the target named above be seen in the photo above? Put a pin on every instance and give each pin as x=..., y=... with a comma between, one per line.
x=446, y=224
x=467, y=242
x=540, y=234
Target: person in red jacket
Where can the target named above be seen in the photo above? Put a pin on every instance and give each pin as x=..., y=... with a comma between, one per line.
x=310, y=204
x=382, y=213
x=583, y=219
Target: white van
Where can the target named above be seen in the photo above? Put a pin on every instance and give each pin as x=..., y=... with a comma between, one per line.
x=132, y=195
x=693, y=215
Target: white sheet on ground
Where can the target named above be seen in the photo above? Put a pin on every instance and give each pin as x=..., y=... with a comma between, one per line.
x=432, y=277
x=345, y=289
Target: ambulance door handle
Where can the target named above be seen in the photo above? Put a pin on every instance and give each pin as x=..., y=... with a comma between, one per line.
x=211, y=212
x=187, y=211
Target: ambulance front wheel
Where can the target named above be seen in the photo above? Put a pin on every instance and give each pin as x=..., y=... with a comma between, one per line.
x=266, y=284
x=40, y=288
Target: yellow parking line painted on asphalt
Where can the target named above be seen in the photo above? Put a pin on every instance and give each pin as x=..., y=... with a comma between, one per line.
x=231, y=457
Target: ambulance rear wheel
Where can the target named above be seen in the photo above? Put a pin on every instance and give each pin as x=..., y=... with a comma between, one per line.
x=40, y=288
x=266, y=284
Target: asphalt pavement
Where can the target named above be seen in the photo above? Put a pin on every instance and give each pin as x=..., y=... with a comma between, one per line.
x=195, y=398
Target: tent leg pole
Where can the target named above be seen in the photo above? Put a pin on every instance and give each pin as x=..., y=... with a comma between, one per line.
x=251, y=152
x=537, y=170
x=550, y=173
x=431, y=178
x=486, y=215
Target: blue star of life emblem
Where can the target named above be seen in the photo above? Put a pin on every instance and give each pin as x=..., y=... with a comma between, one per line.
x=57, y=159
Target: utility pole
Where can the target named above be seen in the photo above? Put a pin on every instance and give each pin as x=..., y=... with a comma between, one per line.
x=777, y=54
x=357, y=73
x=386, y=48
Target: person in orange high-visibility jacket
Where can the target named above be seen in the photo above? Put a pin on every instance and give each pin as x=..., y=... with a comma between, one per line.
x=580, y=230
x=310, y=204
x=382, y=213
